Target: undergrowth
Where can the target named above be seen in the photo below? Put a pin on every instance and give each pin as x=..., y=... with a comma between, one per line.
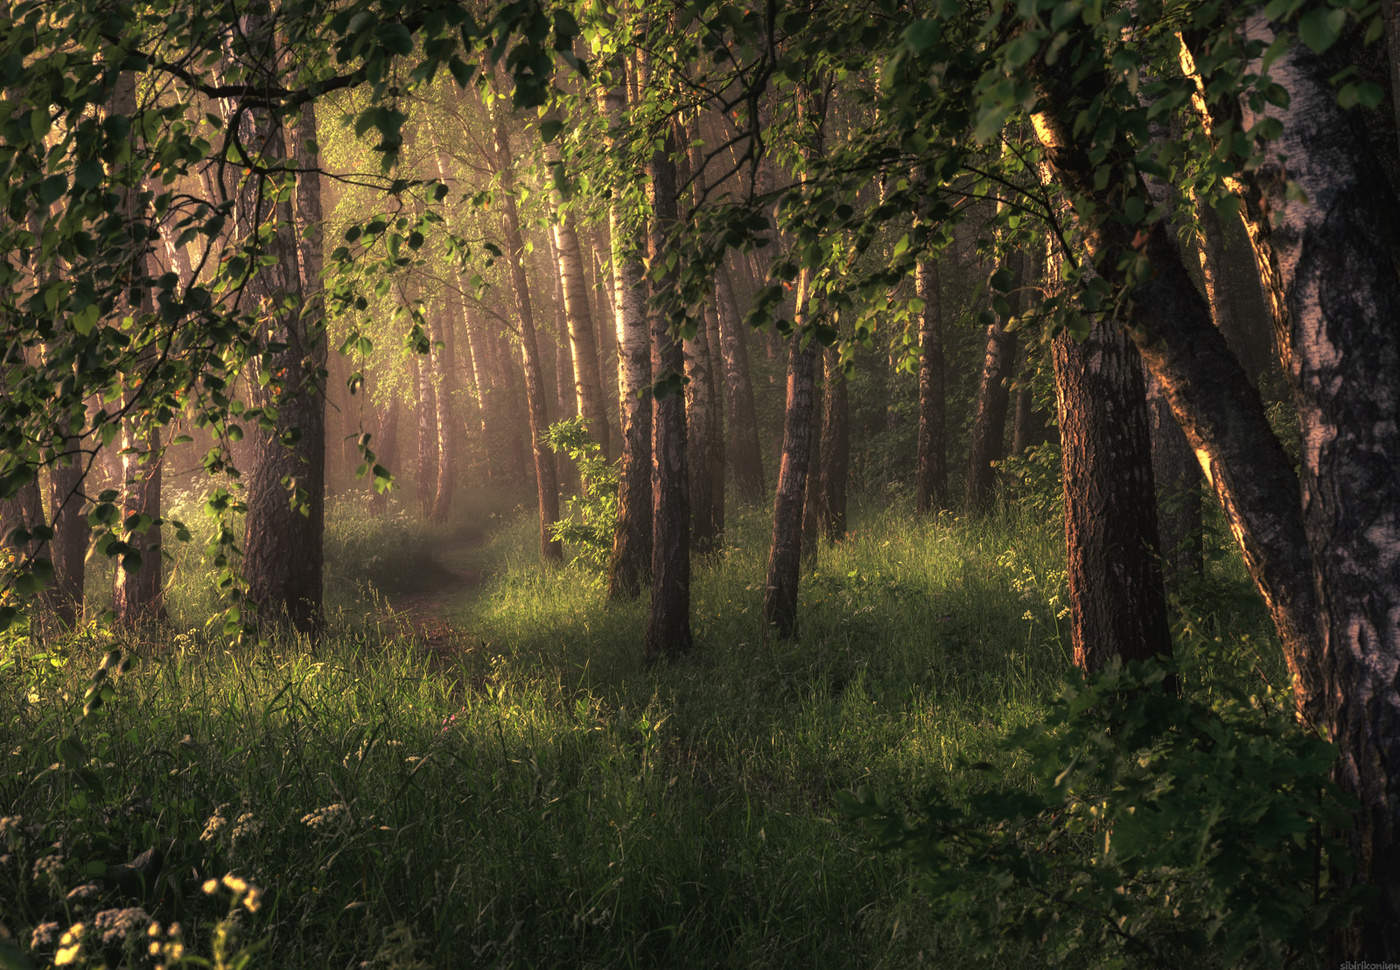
x=544, y=798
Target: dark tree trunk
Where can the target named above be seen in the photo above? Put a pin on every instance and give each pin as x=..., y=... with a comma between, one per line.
x=707, y=513
x=545, y=477
x=931, y=479
x=1117, y=602
x=282, y=548
x=742, y=448
x=989, y=422
x=1214, y=402
x=71, y=531
x=1178, y=484
x=668, y=621
x=835, y=447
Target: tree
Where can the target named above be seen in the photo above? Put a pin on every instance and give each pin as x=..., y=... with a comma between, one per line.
x=546, y=478
x=668, y=620
x=931, y=484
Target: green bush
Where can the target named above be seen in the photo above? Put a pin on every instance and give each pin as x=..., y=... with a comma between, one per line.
x=1156, y=830
x=589, y=519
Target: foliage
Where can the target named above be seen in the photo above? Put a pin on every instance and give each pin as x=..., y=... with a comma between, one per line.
x=589, y=519
x=1158, y=830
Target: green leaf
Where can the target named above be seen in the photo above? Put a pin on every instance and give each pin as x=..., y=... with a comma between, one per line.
x=1319, y=29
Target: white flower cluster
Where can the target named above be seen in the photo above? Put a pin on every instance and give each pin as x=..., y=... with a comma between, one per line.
x=116, y=925
x=332, y=816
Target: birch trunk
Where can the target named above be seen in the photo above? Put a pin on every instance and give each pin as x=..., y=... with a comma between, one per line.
x=546, y=480
x=931, y=481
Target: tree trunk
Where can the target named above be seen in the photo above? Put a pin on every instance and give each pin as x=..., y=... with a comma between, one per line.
x=1215, y=404
x=1117, y=603
x=282, y=547
x=668, y=622
x=742, y=448
x=444, y=364
x=425, y=469
x=137, y=589
x=630, y=563
x=931, y=480
x=1178, y=484
x=835, y=447
x=583, y=345
x=71, y=531
x=706, y=513
x=1338, y=251
x=989, y=423
x=386, y=449
x=785, y=551
x=545, y=478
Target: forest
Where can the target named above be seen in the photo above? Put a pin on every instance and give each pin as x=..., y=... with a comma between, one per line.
x=699, y=483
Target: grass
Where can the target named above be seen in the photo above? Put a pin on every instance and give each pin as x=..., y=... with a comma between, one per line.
x=545, y=799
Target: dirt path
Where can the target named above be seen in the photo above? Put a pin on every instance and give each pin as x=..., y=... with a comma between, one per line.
x=423, y=600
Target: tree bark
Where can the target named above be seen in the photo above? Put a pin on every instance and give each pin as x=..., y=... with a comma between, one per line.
x=668, y=622
x=137, y=589
x=785, y=551
x=546, y=480
x=425, y=468
x=1178, y=485
x=835, y=447
x=285, y=521
x=1118, y=606
x=1218, y=409
x=1338, y=252
x=583, y=345
x=989, y=422
x=443, y=361
x=931, y=477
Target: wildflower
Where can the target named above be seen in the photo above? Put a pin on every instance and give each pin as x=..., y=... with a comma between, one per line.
x=245, y=826
x=10, y=823
x=210, y=887
x=214, y=825
x=328, y=817
x=48, y=866
x=69, y=945
x=43, y=935
x=85, y=891
x=116, y=924
x=235, y=885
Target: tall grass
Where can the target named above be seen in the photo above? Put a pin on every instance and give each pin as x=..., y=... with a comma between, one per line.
x=543, y=798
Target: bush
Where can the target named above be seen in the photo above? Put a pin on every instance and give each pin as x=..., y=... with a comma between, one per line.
x=1155, y=830
x=589, y=519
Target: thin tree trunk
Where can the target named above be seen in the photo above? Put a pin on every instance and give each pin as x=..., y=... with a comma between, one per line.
x=742, y=447
x=425, y=469
x=137, y=589
x=546, y=479
x=630, y=563
x=668, y=621
x=444, y=365
x=573, y=285
x=386, y=449
x=931, y=481
x=989, y=422
x=835, y=447
x=706, y=514
x=1178, y=484
x=785, y=551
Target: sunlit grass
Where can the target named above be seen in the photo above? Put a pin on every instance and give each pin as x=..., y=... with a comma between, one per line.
x=544, y=799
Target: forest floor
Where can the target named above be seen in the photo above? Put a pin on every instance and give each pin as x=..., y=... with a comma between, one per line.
x=421, y=602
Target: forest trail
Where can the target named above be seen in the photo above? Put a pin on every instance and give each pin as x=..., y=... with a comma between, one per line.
x=422, y=599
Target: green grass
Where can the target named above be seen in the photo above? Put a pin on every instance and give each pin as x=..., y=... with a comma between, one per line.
x=545, y=799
